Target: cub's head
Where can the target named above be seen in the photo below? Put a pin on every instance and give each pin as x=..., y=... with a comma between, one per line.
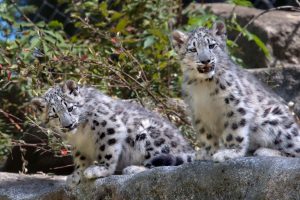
x=60, y=106
x=200, y=49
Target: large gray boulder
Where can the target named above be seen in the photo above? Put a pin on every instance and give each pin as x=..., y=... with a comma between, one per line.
x=243, y=178
x=279, y=30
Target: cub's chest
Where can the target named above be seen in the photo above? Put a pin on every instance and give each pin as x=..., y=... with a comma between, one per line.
x=84, y=141
x=206, y=105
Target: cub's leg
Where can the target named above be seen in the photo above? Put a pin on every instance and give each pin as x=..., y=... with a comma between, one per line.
x=108, y=151
x=81, y=163
x=134, y=169
x=267, y=152
x=234, y=142
x=207, y=142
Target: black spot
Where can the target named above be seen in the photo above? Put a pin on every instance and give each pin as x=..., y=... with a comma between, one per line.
x=102, y=135
x=202, y=130
x=208, y=148
x=228, y=83
x=273, y=122
x=225, y=124
x=154, y=133
x=97, y=140
x=242, y=111
x=148, y=155
x=266, y=112
x=242, y=122
x=103, y=123
x=77, y=166
x=129, y=130
x=106, y=164
x=295, y=132
x=110, y=131
x=289, y=145
x=174, y=144
x=140, y=137
x=148, y=143
x=113, y=118
x=162, y=160
x=239, y=139
x=197, y=121
x=209, y=136
x=277, y=111
x=179, y=161
x=237, y=102
x=229, y=138
x=226, y=100
x=254, y=128
x=289, y=125
x=108, y=156
x=277, y=141
x=102, y=148
x=77, y=153
x=111, y=141
x=297, y=150
x=96, y=123
x=230, y=114
x=99, y=157
x=93, y=128
x=159, y=142
x=288, y=136
x=231, y=97
x=149, y=149
x=130, y=141
x=165, y=149
x=222, y=86
x=189, y=159
x=82, y=158
x=168, y=133
x=234, y=126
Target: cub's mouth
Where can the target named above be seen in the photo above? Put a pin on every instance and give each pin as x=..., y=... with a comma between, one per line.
x=205, y=69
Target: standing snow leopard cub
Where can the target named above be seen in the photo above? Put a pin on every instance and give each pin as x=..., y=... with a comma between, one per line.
x=110, y=135
x=233, y=114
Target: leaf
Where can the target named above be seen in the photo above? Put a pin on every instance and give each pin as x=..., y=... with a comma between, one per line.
x=103, y=8
x=122, y=24
x=54, y=24
x=149, y=41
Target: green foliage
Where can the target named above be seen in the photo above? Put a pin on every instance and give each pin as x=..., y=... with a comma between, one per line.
x=245, y=3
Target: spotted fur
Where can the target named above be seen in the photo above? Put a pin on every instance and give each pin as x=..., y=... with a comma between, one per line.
x=110, y=135
x=233, y=114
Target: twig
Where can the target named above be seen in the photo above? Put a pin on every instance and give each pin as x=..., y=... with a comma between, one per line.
x=292, y=8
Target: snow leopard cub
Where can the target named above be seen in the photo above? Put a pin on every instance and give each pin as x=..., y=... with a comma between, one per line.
x=110, y=135
x=233, y=114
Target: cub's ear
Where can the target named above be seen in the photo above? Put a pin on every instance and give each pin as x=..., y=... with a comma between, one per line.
x=178, y=39
x=39, y=104
x=70, y=87
x=219, y=29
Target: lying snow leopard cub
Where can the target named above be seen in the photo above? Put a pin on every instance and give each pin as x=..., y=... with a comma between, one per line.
x=233, y=114
x=110, y=135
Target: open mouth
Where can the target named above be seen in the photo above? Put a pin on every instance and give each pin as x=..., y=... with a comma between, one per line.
x=70, y=128
x=205, y=69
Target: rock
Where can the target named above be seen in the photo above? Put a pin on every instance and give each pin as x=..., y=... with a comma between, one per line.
x=32, y=187
x=242, y=178
x=279, y=30
x=285, y=82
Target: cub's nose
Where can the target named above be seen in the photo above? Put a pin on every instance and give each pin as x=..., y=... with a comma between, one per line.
x=205, y=61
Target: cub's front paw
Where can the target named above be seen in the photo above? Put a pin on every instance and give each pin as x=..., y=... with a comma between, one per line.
x=133, y=169
x=226, y=154
x=95, y=171
x=73, y=180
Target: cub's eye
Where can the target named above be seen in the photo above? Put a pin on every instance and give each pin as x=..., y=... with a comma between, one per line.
x=192, y=50
x=70, y=109
x=211, y=46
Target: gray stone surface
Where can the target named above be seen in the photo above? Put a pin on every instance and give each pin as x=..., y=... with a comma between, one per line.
x=32, y=187
x=243, y=178
x=283, y=81
x=279, y=30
